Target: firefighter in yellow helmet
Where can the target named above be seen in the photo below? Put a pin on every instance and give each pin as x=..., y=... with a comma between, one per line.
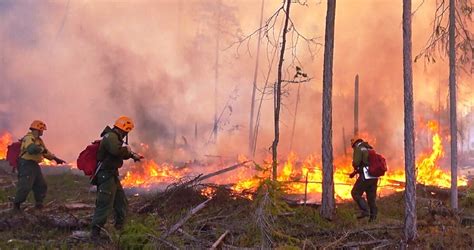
x=30, y=177
x=365, y=183
x=110, y=194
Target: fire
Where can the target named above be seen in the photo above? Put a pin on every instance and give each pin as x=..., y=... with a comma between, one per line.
x=148, y=173
x=297, y=176
x=5, y=140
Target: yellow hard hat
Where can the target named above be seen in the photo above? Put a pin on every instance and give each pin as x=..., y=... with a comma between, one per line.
x=124, y=123
x=39, y=125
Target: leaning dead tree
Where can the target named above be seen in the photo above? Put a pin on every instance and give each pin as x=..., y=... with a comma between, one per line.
x=451, y=36
x=410, y=175
x=328, y=202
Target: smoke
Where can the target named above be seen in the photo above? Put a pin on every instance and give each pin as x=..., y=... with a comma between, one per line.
x=79, y=66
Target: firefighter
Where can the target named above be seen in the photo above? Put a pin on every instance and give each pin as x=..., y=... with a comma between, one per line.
x=30, y=177
x=365, y=183
x=110, y=194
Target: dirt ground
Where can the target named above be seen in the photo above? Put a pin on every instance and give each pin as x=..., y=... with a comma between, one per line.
x=164, y=219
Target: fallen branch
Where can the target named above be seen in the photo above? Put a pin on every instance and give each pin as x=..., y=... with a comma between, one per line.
x=185, y=218
x=164, y=241
x=365, y=243
x=335, y=243
x=225, y=170
x=189, y=236
x=219, y=241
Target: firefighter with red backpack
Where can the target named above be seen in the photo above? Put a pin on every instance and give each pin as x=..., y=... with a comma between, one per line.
x=369, y=166
x=30, y=177
x=110, y=194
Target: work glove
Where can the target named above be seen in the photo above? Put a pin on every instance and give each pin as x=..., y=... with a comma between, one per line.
x=59, y=161
x=351, y=175
x=129, y=149
x=136, y=157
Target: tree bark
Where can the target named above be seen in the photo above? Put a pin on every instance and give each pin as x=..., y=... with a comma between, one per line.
x=410, y=175
x=328, y=201
x=254, y=87
x=452, y=105
x=216, y=70
x=277, y=95
x=356, y=105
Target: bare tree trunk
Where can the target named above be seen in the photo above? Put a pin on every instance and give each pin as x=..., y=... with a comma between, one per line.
x=344, y=141
x=410, y=176
x=254, y=89
x=356, y=105
x=452, y=105
x=277, y=95
x=216, y=69
x=294, y=120
x=328, y=202
x=259, y=109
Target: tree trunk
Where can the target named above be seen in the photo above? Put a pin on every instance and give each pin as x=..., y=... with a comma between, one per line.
x=410, y=176
x=356, y=105
x=254, y=88
x=328, y=201
x=452, y=105
x=216, y=70
x=277, y=95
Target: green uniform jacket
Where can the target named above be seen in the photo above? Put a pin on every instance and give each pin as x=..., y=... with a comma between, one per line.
x=360, y=157
x=33, y=149
x=111, y=152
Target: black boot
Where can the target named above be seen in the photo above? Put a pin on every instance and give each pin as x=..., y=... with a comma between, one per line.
x=95, y=233
x=16, y=208
x=373, y=218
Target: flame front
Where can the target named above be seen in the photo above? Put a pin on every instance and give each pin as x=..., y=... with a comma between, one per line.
x=5, y=140
x=297, y=176
x=294, y=176
x=148, y=173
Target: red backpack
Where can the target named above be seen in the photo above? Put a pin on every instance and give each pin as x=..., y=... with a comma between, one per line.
x=87, y=160
x=377, y=164
x=13, y=154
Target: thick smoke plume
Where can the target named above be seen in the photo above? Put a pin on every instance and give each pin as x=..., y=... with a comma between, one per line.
x=80, y=64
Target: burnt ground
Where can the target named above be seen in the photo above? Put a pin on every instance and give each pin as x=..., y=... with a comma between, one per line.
x=264, y=221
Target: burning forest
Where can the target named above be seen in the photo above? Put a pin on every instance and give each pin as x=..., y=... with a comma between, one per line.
x=234, y=124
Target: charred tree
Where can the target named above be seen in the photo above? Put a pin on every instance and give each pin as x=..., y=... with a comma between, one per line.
x=356, y=105
x=328, y=201
x=452, y=37
x=216, y=70
x=254, y=85
x=452, y=105
x=277, y=96
x=409, y=133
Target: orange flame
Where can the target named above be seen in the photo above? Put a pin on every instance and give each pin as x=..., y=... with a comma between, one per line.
x=5, y=140
x=298, y=176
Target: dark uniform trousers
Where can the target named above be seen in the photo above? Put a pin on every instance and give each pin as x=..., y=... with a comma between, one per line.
x=30, y=178
x=369, y=187
x=110, y=196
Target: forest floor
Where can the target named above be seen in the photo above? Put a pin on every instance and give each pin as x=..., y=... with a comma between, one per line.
x=165, y=220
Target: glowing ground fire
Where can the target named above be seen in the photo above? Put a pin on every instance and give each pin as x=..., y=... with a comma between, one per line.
x=297, y=176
